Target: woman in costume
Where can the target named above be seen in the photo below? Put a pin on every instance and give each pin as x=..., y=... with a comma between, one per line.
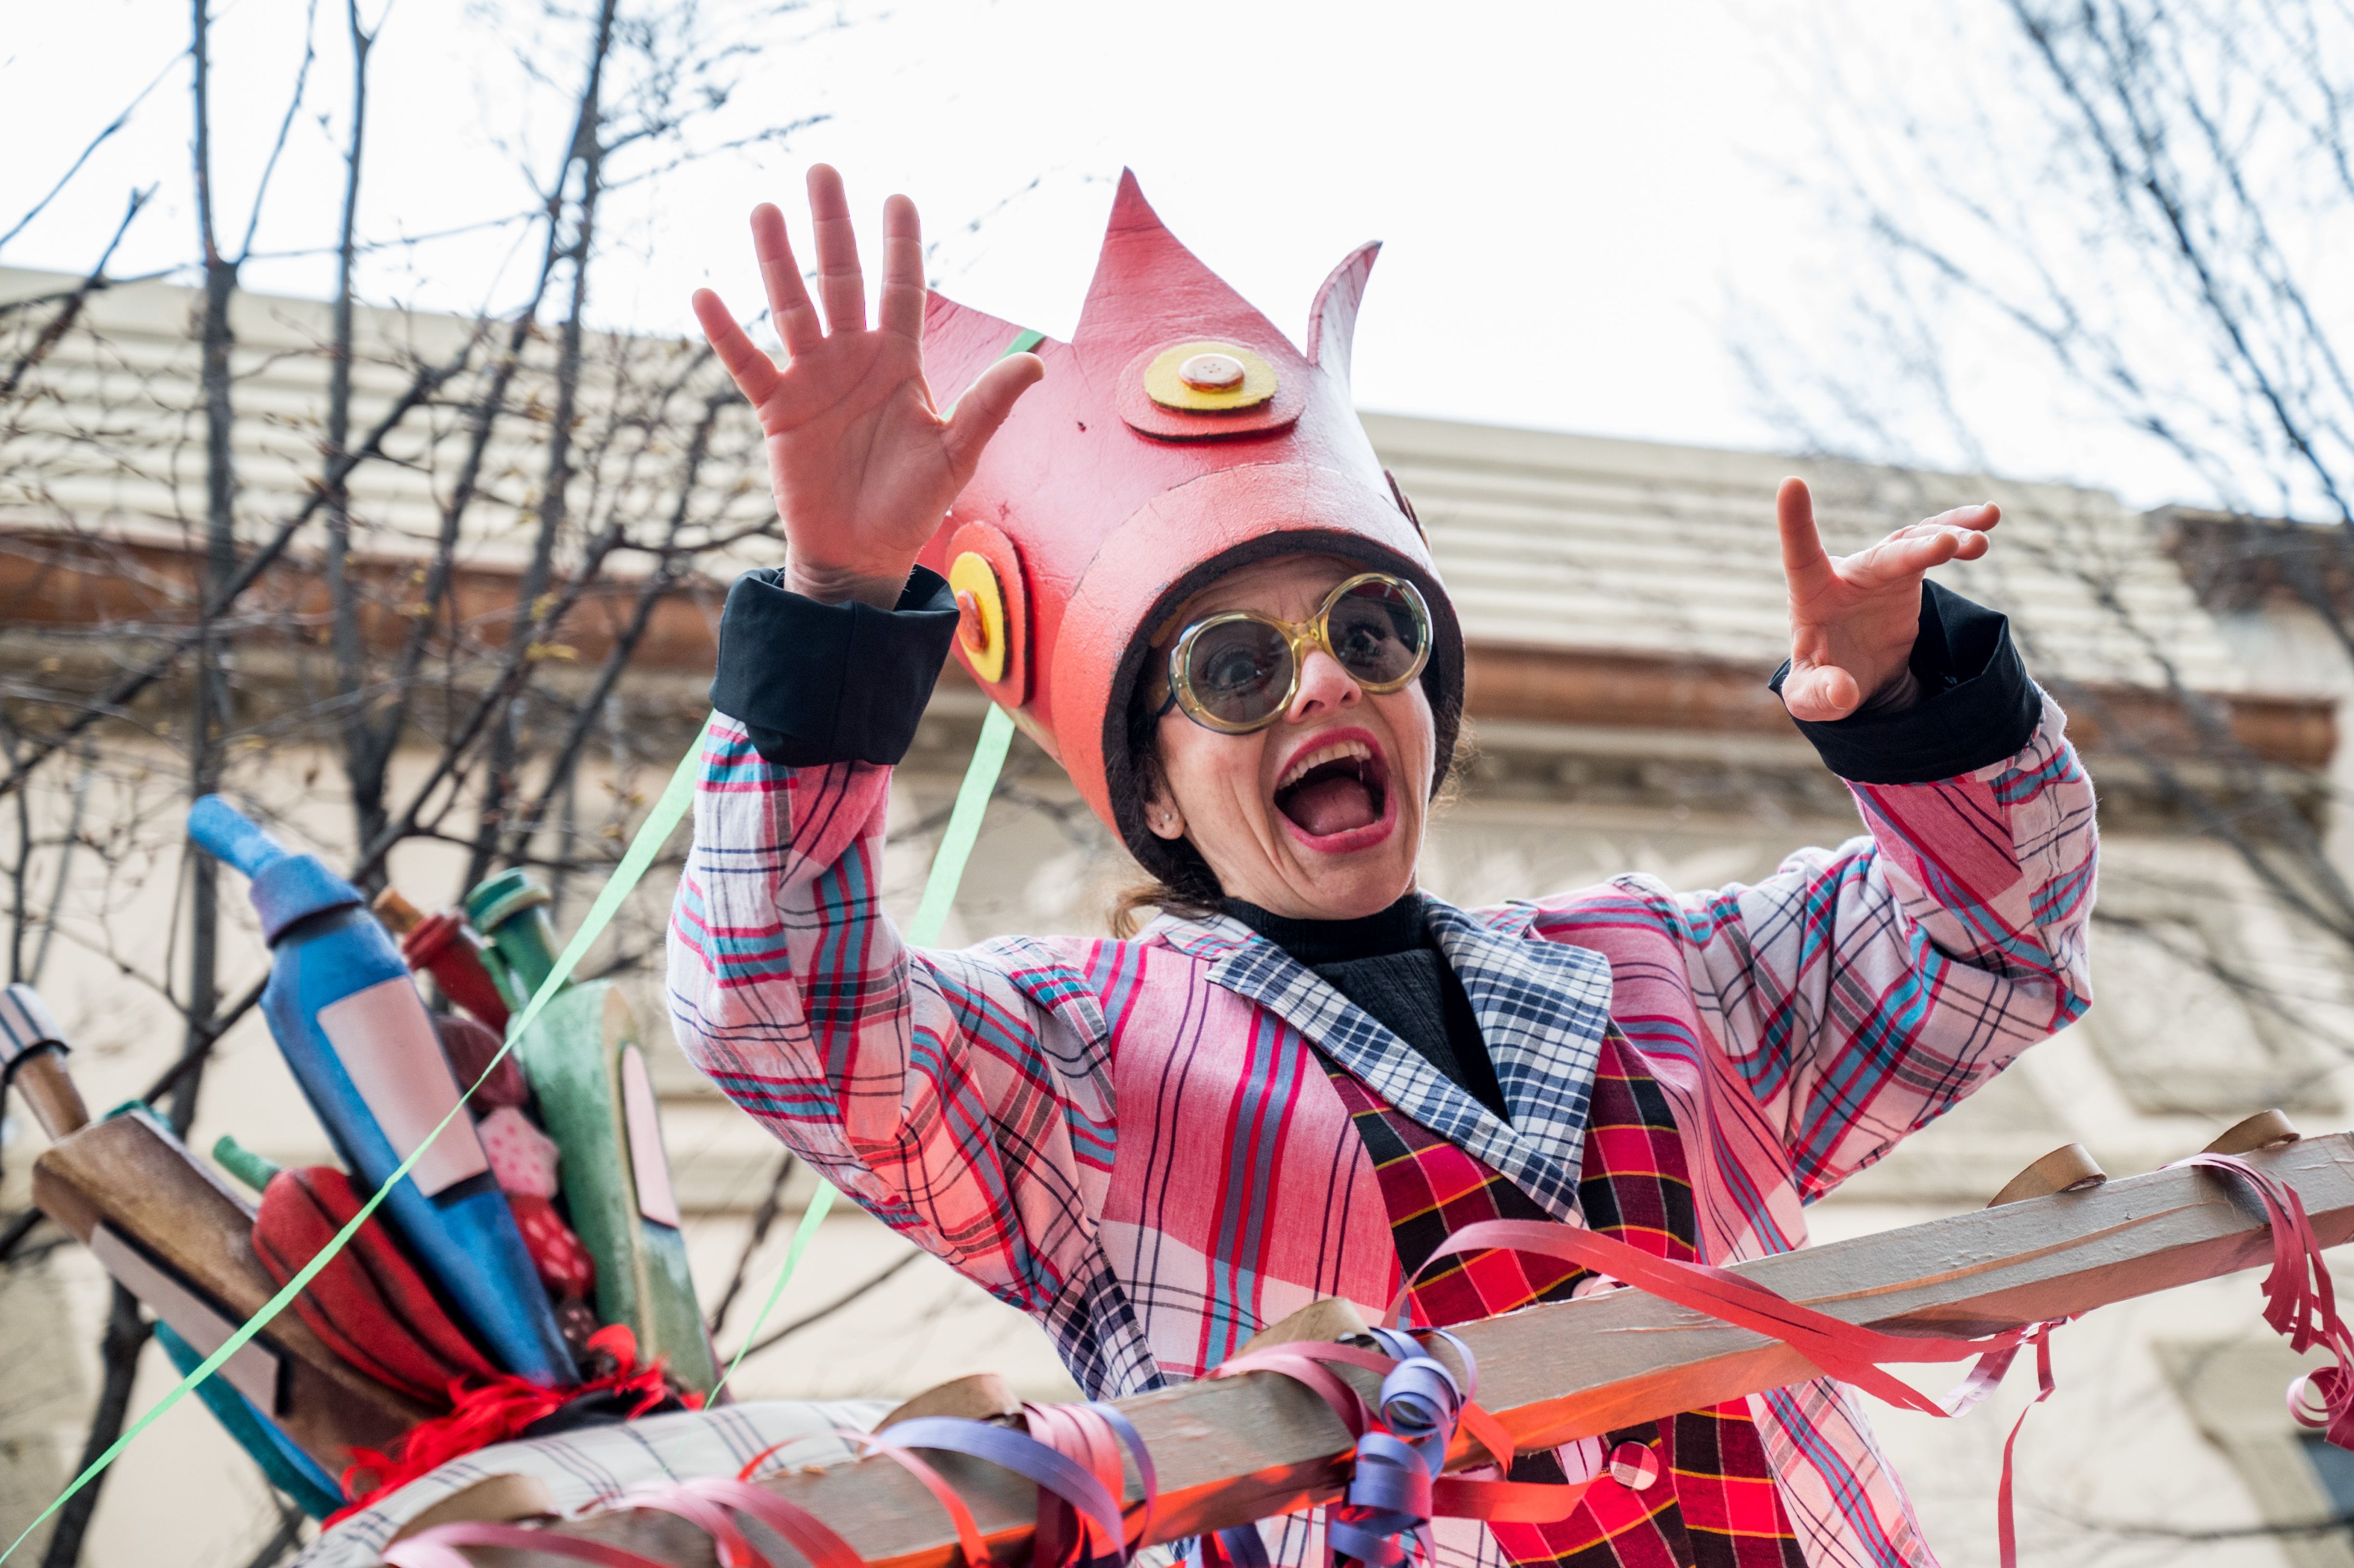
x=1179, y=565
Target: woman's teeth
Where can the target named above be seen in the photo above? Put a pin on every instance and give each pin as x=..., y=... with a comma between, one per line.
x=1339, y=751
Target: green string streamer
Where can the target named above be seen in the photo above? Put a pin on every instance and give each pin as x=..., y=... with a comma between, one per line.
x=939, y=894
x=652, y=834
x=811, y=1217
x=964, y=827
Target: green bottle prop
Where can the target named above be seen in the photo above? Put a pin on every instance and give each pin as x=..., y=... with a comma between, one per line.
x=595, y=1099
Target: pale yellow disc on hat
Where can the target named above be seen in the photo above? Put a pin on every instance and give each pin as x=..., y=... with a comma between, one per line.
x=1209, y=377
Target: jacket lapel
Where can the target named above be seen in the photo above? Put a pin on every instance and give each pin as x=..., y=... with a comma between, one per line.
x=1541, y=1009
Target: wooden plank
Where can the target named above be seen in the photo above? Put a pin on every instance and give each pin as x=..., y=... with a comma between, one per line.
x=130, y=1174
x=1240, y=1449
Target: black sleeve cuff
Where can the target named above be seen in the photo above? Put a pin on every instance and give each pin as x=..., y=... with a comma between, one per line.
x=815, y=683
x=1977, y=704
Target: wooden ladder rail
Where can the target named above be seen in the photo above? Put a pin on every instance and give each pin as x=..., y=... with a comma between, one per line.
x=1239, y=1449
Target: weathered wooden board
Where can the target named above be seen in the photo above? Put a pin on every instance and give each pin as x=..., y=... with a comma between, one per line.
x=129, y=1174
x=1245, y=1448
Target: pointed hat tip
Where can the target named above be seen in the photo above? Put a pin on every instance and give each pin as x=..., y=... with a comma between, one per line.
x=1128, y=207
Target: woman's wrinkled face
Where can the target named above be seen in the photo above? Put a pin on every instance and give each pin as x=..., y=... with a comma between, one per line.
x=1320, y=815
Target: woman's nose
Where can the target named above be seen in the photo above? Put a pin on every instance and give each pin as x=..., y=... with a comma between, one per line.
x=1323, y=687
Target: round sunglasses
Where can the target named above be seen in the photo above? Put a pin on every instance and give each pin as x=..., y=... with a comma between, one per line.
x=1238, y=671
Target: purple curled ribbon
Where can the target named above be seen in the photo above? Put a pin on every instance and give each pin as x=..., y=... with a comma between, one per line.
x=1053, y=1471
x=1392, y=1490
x=1387, y=1508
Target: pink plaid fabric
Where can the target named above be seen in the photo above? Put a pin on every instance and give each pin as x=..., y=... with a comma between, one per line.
x=1134, y=1141
x=1712, y=1502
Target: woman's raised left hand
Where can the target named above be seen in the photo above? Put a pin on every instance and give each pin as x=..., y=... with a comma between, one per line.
x=861, y=459
x=1853, y=619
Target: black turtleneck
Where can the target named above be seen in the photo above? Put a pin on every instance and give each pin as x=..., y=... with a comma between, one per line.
x=1391, y=966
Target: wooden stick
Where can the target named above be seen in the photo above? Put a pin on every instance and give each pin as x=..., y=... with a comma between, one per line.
x=42, y=1079
x=1240, y=1449
x=32, y=1061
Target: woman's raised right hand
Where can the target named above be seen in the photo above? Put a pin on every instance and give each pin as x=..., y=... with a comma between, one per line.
x=862, y=462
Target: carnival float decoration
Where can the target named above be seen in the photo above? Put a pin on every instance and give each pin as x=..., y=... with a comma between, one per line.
x=467, y=1306
x=587, y=1067
x=351, y=1025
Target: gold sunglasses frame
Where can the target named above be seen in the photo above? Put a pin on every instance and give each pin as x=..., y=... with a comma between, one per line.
x=1301, y=636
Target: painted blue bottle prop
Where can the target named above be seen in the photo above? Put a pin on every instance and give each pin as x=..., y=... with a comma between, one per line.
x=352, y=1026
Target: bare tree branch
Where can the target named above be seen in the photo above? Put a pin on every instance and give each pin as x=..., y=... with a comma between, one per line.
x=71, y=311
x=95, y=142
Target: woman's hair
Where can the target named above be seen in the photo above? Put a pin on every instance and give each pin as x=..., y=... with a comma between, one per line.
x=1193, y=891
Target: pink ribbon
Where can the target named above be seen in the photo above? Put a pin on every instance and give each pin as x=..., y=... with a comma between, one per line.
x=974, y=1545
x=2300, y=1302
x=1845, y=1351
x=2005, y=1524
x=1841, y=1349
x=703, y=1502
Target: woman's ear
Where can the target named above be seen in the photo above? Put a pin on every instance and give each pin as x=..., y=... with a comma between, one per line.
x=1160, y=812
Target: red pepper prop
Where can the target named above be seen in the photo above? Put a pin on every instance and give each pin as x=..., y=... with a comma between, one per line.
x=370, y=1304
x=443, y=947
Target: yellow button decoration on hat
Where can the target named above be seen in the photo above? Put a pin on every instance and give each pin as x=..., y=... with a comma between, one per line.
x=982, y=602
x=1209, y=377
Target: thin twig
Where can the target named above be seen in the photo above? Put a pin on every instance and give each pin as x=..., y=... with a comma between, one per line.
x=763, y=1218
x=855, y=1294
x=17, y=1230
x=71, y=313
x=288, y=1535
x=114, y=125
x=127, y=1334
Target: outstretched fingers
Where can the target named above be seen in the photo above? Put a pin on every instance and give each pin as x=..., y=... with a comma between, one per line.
x=755, y=374
x=1959, y=534
x=983, y=407
x=901, y=309
x=1803, y=560
x=840, y=283
x=1977, y=518
x=780, y=275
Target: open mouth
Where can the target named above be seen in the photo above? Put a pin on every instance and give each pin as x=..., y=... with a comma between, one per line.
x=1337, y=787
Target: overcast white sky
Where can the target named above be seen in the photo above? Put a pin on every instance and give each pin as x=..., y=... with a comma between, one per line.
x=1581, y=202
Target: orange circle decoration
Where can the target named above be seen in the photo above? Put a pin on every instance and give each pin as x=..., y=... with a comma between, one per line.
x=984, y=565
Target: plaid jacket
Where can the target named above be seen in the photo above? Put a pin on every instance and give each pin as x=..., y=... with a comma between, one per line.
x=1134, y=1142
